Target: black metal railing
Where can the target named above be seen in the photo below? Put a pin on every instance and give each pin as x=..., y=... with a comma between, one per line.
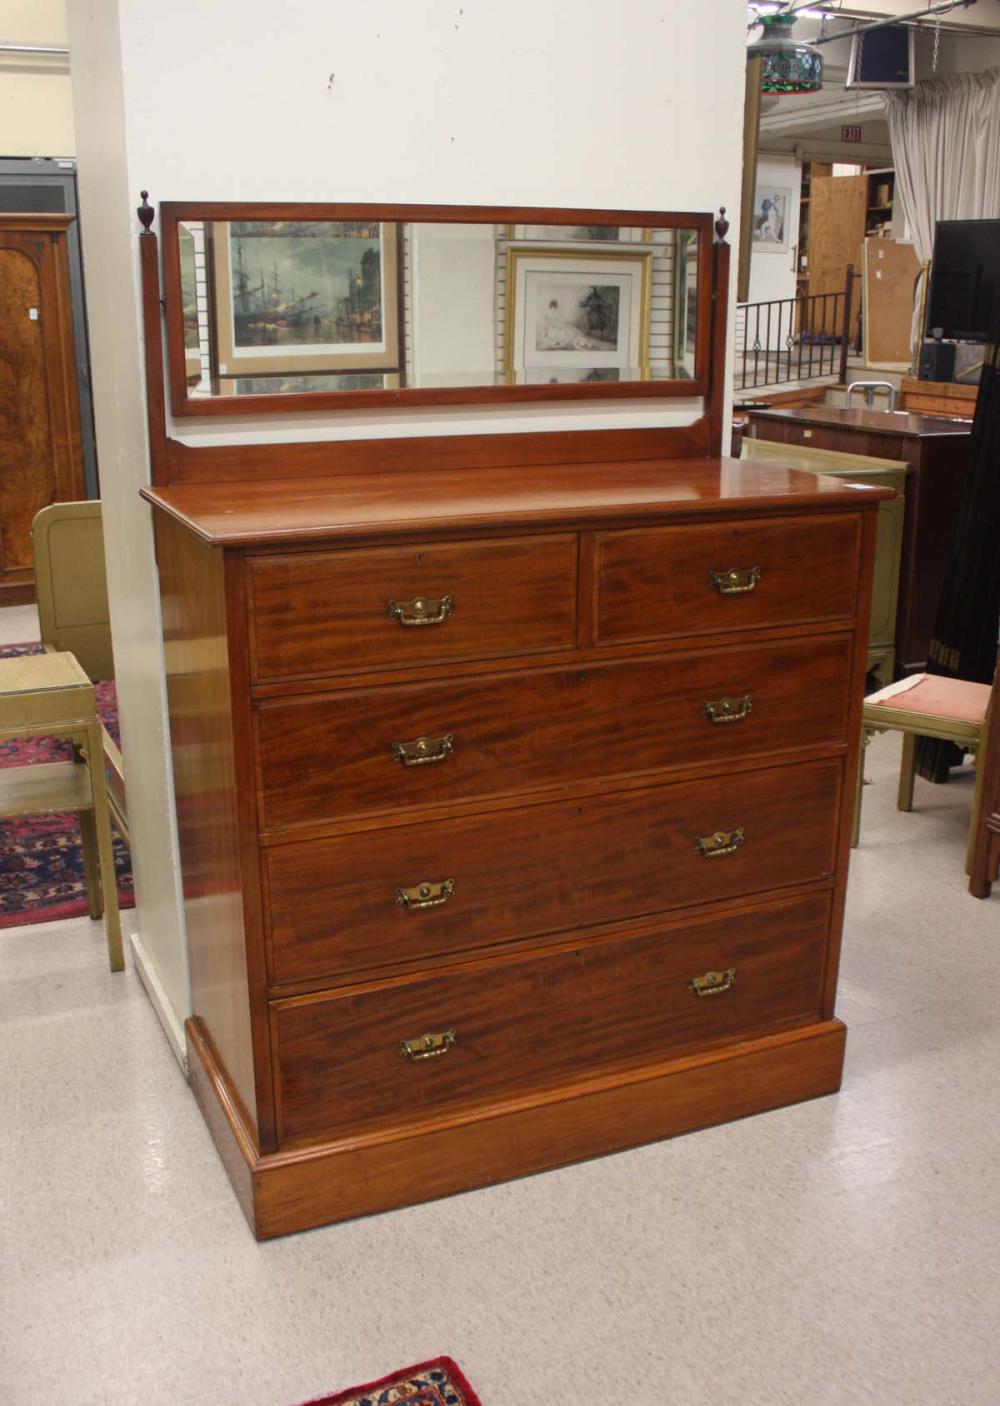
x=805, y=338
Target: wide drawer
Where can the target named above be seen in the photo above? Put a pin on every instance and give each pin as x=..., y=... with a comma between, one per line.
x=700, y=579
x=410, y=892
x=530, y=1023
x=394, y=607
x=335, y=756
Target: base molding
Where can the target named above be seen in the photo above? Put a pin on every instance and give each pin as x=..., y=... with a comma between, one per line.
x=167, y=1016
x=295, y=1190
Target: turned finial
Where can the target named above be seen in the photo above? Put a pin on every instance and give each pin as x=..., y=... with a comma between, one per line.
x=721, y=225
x=145, y=212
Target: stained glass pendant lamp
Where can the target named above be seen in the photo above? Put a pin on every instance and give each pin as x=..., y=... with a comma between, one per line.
x=790, y=65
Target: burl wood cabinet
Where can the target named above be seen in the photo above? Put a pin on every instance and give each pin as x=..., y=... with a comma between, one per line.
x=937, y=454
x=514, y=779
x=40, y=447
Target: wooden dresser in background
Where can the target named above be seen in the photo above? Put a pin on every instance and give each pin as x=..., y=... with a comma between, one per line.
x=514, y=779
x=41, y=457
x=937, y=452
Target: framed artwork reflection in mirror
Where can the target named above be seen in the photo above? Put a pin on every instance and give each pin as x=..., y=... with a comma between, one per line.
x=305, y=307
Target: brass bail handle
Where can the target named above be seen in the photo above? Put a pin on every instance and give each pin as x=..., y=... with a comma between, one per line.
x=424, y=751
x=712, y=983
x=728, y=710
x=737, y=581
x=421, y=611
x=430, y=1046
x=721, y=843
x=425, y=895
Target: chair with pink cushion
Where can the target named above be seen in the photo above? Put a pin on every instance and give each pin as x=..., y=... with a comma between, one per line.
x=926, y=705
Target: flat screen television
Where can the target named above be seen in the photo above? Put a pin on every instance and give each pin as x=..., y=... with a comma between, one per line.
x=964, y=299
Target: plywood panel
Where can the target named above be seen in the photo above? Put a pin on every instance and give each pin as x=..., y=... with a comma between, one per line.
x=837, y=208
x=890, y=270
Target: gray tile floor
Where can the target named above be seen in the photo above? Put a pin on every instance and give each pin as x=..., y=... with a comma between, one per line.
x=844, y=1251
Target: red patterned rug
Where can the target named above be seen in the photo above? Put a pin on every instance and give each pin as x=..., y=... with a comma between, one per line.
x=41, y=863
x=437, y=1383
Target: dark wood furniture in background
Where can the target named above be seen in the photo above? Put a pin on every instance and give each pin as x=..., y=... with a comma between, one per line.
x=500, y=845
x=937, y=452
x=40, y=448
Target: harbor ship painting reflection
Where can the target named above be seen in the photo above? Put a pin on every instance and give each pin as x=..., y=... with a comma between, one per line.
x=306, y=283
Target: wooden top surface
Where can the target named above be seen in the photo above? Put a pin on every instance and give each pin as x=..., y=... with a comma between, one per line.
x=37, y=673
x=235, y=514
x=894, y=422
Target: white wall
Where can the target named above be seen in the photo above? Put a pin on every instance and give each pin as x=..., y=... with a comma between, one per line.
x=36, y=106
x=535, y=102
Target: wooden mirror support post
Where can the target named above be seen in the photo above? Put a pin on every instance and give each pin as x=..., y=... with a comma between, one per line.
x=434, y=702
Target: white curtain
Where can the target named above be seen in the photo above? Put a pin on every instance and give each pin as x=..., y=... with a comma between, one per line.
x=946, y=150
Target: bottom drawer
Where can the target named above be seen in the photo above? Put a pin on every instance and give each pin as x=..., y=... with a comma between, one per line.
x=522, y=1024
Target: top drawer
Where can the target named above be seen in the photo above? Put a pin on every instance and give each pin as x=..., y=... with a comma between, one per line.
x=669, y=582
x=394, y=607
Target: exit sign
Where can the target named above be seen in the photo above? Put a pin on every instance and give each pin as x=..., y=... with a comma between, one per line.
x=850, y=134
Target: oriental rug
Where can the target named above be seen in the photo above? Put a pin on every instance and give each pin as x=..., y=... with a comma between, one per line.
x=41, y=862
x=436, y=1383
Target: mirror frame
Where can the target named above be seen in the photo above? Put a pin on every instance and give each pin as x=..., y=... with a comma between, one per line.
x=174, y=213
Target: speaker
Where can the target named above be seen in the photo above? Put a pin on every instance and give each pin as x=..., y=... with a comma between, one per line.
x=937, y=361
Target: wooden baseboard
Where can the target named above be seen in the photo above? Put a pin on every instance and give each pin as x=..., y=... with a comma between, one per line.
x=295, y=1190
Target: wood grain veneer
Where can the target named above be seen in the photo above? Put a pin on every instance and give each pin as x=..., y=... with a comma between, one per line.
x=326, y=613
x=192, y=594
x=573, y=673
x=40, y=445
x=353, y=1176
x=544, y=869
x=325, y=758
x=472, y=501
x=656, y=583
x=524, y=1023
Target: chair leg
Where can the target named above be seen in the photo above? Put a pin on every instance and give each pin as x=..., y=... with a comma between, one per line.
x=977, y=805
x=907, y=771
x=106, y=855
x=91, y=863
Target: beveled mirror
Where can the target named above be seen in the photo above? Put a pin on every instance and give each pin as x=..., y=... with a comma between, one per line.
x=275, y=307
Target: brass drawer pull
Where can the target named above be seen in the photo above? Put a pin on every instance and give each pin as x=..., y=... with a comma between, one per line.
x=722, y=842
x=712, y=983
x=728, y=710
x=425, y=895
x=420, y=611
x=428, y=1046
x=736, y=581
x=424, y=750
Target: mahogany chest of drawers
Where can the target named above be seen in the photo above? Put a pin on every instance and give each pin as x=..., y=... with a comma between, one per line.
x=514, y=820
x=936, y=452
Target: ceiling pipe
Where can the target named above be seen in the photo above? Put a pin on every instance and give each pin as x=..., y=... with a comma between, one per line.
x=61, y=50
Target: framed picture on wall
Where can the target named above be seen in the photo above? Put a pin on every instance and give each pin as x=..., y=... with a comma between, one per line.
x=770, y=225
x=305, y=296
x=571, y=311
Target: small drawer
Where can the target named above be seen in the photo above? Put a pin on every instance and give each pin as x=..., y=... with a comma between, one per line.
x=515, y=1026
x=701, y=579
x=411, y=892
x=395, y=607
x=341, y=755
